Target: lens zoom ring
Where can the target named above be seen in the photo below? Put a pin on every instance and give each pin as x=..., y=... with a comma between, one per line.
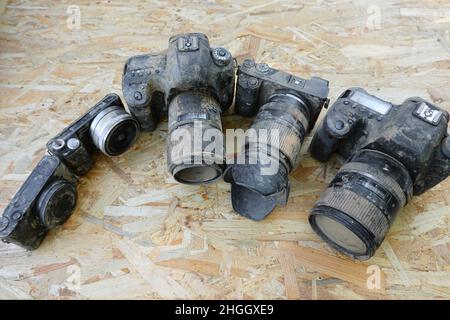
x=289, y=142
x=357, y=207
x=382, y=179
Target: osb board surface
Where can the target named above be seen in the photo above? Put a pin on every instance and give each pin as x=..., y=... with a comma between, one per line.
x=135, y=232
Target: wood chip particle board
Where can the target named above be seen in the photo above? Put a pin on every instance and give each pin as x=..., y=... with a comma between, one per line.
x=135, y=232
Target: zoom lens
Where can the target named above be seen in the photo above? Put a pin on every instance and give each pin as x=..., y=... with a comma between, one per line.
x=56, y=203
x=114, y=131
x=195, y=140
x=255, y=190
x=355, y=212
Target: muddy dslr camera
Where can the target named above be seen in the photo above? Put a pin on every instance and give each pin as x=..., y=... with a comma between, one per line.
x=48, y=196
x=190, y=81
x=392, y=152
x=282, y=103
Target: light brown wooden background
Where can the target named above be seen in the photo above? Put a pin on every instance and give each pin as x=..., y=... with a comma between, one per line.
x=138, y=234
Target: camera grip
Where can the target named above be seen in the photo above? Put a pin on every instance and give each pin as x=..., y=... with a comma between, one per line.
x=323, y=144
x=247, y=93
x=141, y=87
x=438, y=169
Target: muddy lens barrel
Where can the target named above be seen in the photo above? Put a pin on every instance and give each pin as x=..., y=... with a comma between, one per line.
x=195, y=140
x=114, y=131
x=288, y=115
x=255, y=191
x=355, y=212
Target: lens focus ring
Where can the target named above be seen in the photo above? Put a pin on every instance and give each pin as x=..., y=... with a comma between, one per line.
x=358, y=208
x=377, y=175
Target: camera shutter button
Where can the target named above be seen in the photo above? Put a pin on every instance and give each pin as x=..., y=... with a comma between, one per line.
x=253, y=82
x=17, y=215
x=58, y=144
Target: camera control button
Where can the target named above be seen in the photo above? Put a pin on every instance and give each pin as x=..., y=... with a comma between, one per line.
x=248, y=63
x=262, y=67
x=221, y=56
x=339, y=125
x=4, y=222
x=73, y=143
x=137, y=95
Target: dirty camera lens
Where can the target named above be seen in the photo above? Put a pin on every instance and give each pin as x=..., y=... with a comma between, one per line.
x=194, y=116
x=339, y=234
x=356, y=210
x=121, y=137
x=56, y=203
x=114, y=131
x=255, y=192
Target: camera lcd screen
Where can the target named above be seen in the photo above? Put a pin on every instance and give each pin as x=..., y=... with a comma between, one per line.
x=371, y=102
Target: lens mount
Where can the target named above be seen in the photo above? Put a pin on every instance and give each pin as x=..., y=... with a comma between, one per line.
x=114, y=131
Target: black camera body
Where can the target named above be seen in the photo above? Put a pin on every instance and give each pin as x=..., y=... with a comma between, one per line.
x=391, y=153
x=413, y=133
x=286, y=105
x=151, y=81
x=48, y=196
x=105, y=127
x=45, y=200
x=192, y=83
